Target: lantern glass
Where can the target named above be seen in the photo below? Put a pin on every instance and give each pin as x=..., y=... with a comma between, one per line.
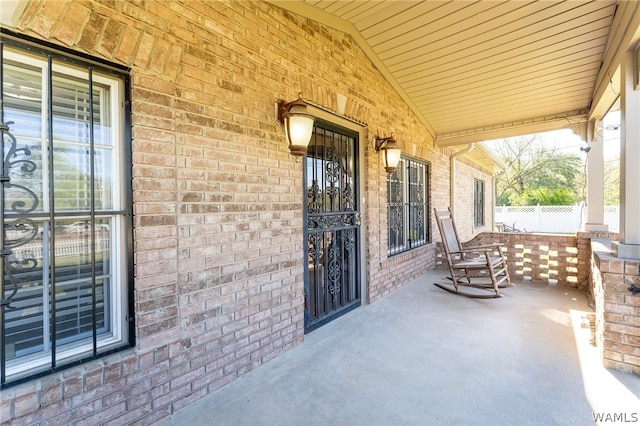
x=391, y=158
x=298, y=125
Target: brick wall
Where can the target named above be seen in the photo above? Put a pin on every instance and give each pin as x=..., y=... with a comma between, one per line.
x=548, y=258
x=617, y=328
x=466, y=174
x=561, y=259
x=217, y=197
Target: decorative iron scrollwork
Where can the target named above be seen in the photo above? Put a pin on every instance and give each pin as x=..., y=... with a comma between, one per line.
x=314, y=240
x=395, y=192
x=333, y=171
x=420, y=218
x=348, y=198
x=331, y=221
x=334, y=270
x=313, y=196
x=21, y=230
x=333, y=192
x=418, y=194
x=350, y=240
x=332, y=167
x=396, y=218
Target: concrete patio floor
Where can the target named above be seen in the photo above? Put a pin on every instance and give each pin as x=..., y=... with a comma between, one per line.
x=422, y=356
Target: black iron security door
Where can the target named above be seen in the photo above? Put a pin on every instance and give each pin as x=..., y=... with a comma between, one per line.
x=332, y=232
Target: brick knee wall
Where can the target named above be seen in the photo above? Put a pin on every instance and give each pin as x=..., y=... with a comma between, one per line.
x=548, y=258
x=617, y=308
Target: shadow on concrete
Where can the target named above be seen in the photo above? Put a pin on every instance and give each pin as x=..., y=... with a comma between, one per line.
x=422, y=356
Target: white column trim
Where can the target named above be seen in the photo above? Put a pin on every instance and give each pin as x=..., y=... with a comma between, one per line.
x=595, y=179
x=629, y=245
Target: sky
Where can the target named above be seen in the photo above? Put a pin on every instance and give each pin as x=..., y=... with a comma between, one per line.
x=566, y=141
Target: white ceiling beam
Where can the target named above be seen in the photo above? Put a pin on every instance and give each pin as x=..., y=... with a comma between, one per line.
x=625, y=33
x=575, y=120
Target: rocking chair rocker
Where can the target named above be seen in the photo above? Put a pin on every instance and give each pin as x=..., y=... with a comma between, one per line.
x=480, y=267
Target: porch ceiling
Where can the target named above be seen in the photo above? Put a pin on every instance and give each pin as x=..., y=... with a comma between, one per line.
x=477, y=70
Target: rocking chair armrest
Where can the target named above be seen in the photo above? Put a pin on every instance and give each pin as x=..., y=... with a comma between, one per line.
x=481, y=248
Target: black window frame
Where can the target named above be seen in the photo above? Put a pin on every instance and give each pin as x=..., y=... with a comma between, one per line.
x=478, y=203
x=408, y=200
x=66, y=57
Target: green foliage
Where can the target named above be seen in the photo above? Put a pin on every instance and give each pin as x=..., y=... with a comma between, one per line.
x=612, y=181
x=536, y=174
x=544, y=197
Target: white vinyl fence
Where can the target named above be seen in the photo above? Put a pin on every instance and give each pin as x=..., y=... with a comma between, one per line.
x=551, y=219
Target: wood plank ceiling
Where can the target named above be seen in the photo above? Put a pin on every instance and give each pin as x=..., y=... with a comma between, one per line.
x=471, y=68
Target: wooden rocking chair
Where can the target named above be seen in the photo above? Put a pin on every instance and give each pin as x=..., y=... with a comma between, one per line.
x=480, y=267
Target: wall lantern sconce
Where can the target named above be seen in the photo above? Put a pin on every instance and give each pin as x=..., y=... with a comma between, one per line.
x=297, y=122
x=390, y=152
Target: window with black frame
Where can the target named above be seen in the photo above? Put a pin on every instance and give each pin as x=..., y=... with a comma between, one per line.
x=408, y=206
x=478, y=203
x=66, y=195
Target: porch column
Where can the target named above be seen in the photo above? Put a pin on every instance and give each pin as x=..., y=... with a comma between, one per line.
x=629, y=244
x=595, y=180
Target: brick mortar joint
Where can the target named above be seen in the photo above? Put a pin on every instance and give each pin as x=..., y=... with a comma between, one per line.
x=78, y=372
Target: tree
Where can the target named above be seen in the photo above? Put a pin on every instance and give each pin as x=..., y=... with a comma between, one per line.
x=536, y=174
x=612, y=181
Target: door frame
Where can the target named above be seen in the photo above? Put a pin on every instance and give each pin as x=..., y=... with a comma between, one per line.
x=361, y=129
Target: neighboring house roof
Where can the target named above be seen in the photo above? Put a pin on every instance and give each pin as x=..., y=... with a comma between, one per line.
x=474, y=71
